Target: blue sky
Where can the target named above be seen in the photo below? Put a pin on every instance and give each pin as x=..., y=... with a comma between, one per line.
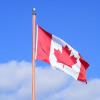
x=75, y=21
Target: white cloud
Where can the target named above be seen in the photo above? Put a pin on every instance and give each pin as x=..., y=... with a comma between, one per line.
x=15, y=81
x=15, y=84
x=77, y=91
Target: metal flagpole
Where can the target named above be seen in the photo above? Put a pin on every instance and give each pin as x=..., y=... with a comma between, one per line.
x=33, y=51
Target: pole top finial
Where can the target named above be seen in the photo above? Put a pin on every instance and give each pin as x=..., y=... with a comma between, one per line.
x=33, y=11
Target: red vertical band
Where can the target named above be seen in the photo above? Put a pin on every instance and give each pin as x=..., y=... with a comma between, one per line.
x=43, y=45
x=82, y=74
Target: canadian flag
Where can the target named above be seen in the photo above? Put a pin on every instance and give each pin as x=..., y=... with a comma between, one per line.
x=60, y=55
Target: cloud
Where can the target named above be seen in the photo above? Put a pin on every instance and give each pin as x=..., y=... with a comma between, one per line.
x=15, y=84
x=15, y=81
x=77, y=91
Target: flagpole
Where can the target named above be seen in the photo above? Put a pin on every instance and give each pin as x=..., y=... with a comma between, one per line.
x=33, y=51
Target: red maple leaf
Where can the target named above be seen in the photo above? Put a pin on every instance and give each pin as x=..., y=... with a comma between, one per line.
x=64, y=56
